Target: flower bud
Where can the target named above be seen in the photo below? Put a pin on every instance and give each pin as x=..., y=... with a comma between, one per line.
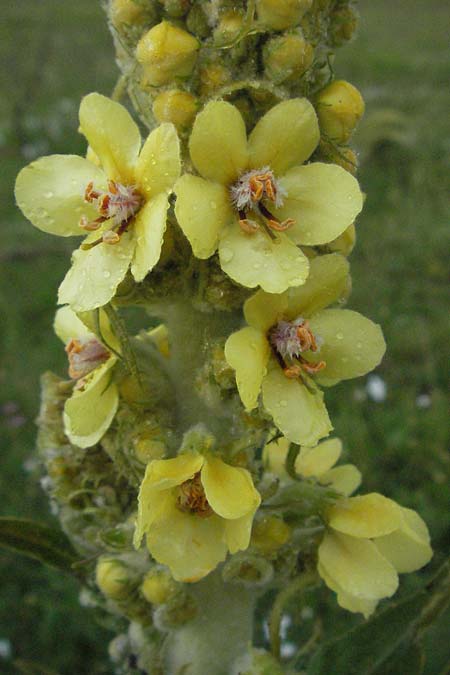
x=248, y=569
x=175, y=106
x=340, y=106
x=112, y=578
x=345, y=243
x=287, y=56
x=342, y=156
x=158, y=586
x=127, y=12
x=343, y=24
x=176, y=8
x=166, y=52
x=213, y=77
x=269, y=534
x=228, y=28
x=282, y=14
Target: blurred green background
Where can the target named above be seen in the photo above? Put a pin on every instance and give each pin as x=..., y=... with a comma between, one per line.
x=394, y=423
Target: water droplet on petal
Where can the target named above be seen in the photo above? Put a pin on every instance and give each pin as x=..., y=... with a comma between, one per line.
x=49, y=194
x=359, y=345
x=339, y=336
x=106, y=274
x=226, y=254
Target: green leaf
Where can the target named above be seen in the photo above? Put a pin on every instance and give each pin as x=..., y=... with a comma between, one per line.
x=38, y=541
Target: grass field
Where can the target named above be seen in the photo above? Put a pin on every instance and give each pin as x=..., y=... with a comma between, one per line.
x=53, y=53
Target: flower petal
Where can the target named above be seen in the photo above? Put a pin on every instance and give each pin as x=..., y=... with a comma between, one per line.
x=315, y=461
x=228, y=489
x=344, y=479
x=408, y=548
x=263, y=310
x=153, y=505
x=257, y=260
x=300, y=415
x=159, y=164
x=218, y=142
x=286, y=136
x=328, y=281
x=345, y=600
x=95, y=274
x=357, y=567
x=67, y=325
x=247, y=351
x=88, y=413
x=352, y=345
x=323, y=199
x=112, y=134
x=148, y=232
x=163, y=474
x=238, y=532
x=202, y=210
x=50, y=193
x=274, y=456
x=368, y=516
x=190, y=546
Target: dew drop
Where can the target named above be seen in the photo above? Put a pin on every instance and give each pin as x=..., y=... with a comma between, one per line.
x=49, y=194
x=359, y=345
x=213, y=205
x=106, y=274
x=339, y=336
x=226, y=254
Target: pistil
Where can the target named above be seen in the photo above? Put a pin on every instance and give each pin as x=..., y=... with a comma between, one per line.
x=289, y=340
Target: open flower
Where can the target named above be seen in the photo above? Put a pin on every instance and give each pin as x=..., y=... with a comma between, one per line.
x=193, y=509
x=370, y=539
x=317, y=463
x=122, y=203
x=293, y=344
x=90, y=410
x=254, y=201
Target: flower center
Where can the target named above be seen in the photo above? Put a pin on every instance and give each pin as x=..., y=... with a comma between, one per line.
x=251, y=192
x=118, y=204
x=191, y=498
x=289, y=339
x=85, y=354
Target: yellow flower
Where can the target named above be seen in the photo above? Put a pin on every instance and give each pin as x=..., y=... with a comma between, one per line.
x=193, y=509
x=317, y=462
x=293, y=344
x=122, y=203
x=254, y=201
x=369, y=541
x=90, y=410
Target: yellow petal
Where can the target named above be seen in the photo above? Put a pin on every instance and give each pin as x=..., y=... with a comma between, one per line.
x=345, y=600
x=274, y=456
x=98, y=324
x=344, y=479
x=202, y=210
x=300, y=415
x=328, y=281
x=89, y=413
x=153, y=505
x=323, y=199
x=368, y=516
x=228, y=489
x=257, y=260
x=218, y=142
x=238, y=532
x=67, y=325
x=315, y=461
x=112, y=135
x=408, y=548
x=148, y=232
x=247, y=351
x=351, y=344
x=357, y=567
x=189, y=545
x=50, y=193
x=163, y=474
x=159, y=163
x=286, y=136
x=263, y=310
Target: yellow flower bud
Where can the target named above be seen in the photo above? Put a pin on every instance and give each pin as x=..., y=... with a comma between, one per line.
x=127, y=12
x=166, y=52
x=176, y=8
x=175, y=106
x=340, y=106
x=342, y=25
x=282, y=14
x=147, y=447
x=343, y=156
x=287, y=56
x=228, y=28
x=345, y=243
x=158, y=587
x=269, y=534
x=112, y=578
x=213, y=77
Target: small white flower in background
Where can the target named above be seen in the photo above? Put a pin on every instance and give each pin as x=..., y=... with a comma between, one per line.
x=423, y=401
x=5, y=648
x=376, y=388
x=288, y=650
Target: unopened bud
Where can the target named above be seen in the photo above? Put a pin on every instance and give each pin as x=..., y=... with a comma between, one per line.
x=112, y=578
x=287, y=56
x=269, y=534
x=213, y=77
x=166, y=52
x=158, y=586
x=228, y=28
x=343, y=24
x=147, y=447
x=248, y=569
x=176, y=8
x=282, y=14
x=175, y=106
x=340, y=106
x=345, y=243
x=340, y=155
x=127, y=12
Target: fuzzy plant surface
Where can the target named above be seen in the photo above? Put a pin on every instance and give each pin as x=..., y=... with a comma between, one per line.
x=192, y=465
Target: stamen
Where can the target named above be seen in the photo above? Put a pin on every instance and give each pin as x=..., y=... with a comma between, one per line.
x=110, y=237
x=192, y=499
x=289, y=340
x=274, y=223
